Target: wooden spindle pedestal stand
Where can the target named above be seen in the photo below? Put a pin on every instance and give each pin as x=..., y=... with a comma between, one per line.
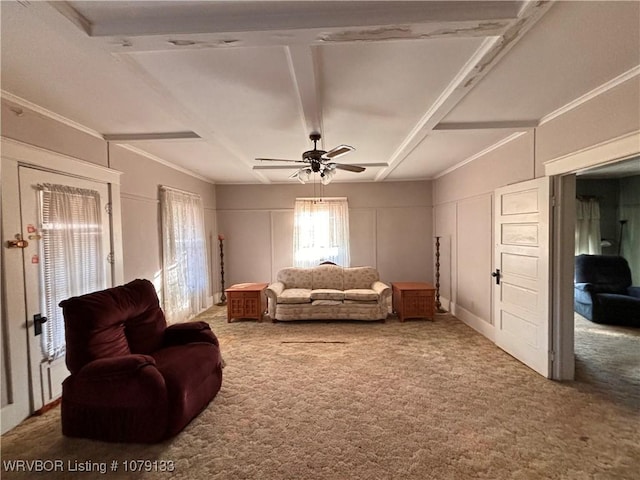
x=223, y=297
x=439, y=308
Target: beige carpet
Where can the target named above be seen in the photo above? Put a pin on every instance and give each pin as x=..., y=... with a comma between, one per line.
x=350, y=400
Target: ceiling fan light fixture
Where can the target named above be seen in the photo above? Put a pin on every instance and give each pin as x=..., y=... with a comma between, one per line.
x=304, y=175
x=317, y=161
x=326, y=176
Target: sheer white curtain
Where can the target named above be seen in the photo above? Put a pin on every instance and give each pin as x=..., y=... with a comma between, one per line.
x=185, y=276
x=321, y=232
x=72, y=255
x=630, y=211
x=588, y=227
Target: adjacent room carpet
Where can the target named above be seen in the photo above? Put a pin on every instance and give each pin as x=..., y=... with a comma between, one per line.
x=358, y=400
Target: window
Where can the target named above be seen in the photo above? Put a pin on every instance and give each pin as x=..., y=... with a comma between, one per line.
x=587, y=227
x=72, y=255
x=185, y=276
x=321, y=232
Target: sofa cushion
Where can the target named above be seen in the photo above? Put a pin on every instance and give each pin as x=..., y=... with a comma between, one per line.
x=327, y=294
x=295, y=295
x=361, y=294
x=294, y=277
x=326, y=302
x=327, y=276
x=359, y=277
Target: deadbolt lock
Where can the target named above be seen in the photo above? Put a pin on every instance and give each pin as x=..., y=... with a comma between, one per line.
x=19, y=242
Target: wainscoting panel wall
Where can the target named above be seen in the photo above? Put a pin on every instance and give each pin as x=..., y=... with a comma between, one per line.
x=390, y=227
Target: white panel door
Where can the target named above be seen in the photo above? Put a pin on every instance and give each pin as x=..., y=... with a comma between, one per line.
x=47, y=375
x=522, y=287
x=14, y=362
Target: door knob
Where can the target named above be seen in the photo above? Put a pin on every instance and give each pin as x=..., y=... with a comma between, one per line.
x=496, y=275
x=19, y=242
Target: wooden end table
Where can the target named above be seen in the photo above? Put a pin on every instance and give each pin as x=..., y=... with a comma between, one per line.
x=246, y=300
x=414, y=300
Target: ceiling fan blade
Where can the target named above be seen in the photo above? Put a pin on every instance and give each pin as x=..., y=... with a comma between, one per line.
x=349, y=168
x=276, y=167
x=338, y=151
x=279, y=160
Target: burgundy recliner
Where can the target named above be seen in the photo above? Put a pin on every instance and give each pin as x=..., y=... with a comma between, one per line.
x=133, y=378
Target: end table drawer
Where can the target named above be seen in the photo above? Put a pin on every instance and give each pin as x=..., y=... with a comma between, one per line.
x=416, y=293
x=244, y=295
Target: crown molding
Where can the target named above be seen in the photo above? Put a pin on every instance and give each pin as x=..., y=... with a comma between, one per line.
x=186, y=171
x=10, y=97
x=605, y=87
x=487, y=150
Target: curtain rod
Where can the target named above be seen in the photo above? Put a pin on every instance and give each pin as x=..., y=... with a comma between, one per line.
x=165, y=187
x=321, y=198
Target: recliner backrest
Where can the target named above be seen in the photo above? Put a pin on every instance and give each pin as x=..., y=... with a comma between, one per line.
x=609, y=270
x=112, y=322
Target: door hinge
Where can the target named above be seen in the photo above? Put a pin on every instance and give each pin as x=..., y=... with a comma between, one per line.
x=107, y=208
x=553, y=201
x=552, y=355
x=111, y=258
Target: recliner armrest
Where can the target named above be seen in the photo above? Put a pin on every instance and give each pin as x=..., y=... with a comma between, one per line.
x=114, y=368
x=634, y=291
x=113, y=386
x=189, y=332
x=594, y=288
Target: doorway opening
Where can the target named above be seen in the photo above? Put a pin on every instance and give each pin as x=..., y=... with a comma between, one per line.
x=572, y=334
x=608, y=211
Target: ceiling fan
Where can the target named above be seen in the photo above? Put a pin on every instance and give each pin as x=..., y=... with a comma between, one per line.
x=318, y=161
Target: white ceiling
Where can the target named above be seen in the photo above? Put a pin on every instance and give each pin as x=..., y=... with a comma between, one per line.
x=420, y=86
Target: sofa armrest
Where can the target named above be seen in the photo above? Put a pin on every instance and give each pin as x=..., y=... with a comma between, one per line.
x=189, y=332
x=275, y=289
x=272, y=292
x=382, y=289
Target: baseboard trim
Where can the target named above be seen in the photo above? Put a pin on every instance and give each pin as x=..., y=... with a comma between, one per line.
x=478, y=324
x=446, y=304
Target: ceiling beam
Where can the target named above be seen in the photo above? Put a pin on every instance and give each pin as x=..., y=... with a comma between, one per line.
x=144, y=137
x=504, y=125
x=234, y=17
x=186, y=115
x=304, y=72
x=492, y=50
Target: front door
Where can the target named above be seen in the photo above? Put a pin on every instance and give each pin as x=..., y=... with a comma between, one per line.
x=522, y=283
x=65, y=223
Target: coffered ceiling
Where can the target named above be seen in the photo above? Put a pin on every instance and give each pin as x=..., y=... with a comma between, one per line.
x=420, y=87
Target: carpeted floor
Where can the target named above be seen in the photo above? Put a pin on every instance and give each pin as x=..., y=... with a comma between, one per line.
x=354, y=400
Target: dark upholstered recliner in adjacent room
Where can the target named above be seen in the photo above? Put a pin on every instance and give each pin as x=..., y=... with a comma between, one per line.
x=603, y=291
x=133, y=378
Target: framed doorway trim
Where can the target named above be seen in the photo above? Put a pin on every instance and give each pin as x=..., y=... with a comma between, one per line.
x=563, y=170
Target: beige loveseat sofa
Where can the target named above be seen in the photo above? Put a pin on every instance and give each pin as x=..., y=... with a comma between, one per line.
x=328, y=292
